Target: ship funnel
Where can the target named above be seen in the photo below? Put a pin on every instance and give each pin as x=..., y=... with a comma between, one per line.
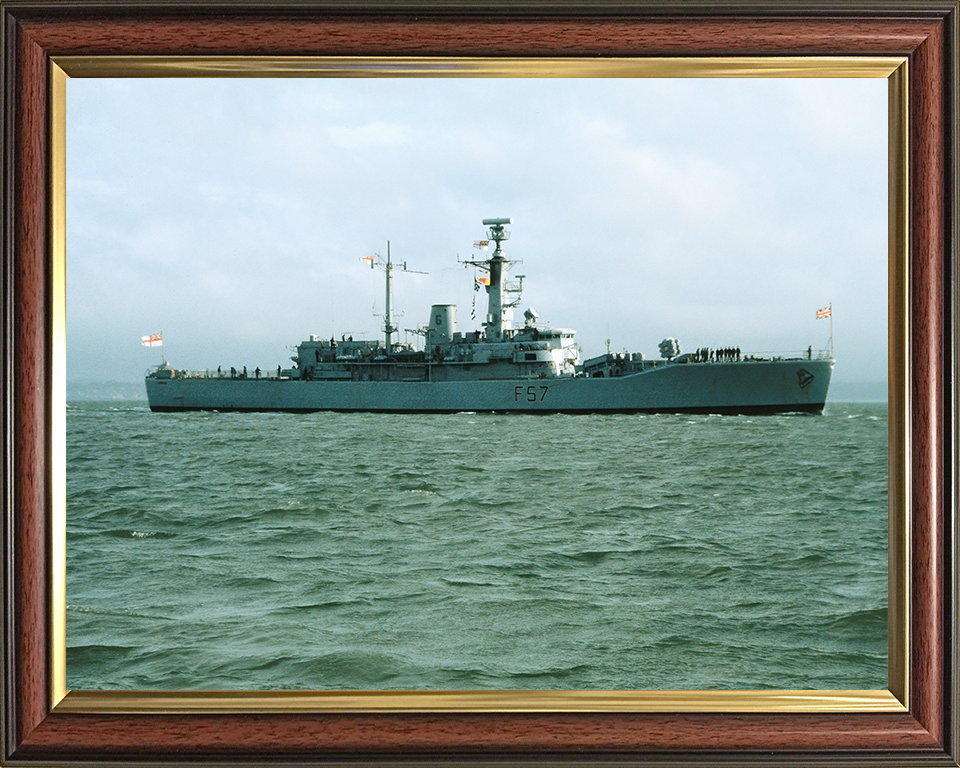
x=443, y=321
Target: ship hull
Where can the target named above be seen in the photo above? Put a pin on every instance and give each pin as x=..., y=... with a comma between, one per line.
x=746, y=387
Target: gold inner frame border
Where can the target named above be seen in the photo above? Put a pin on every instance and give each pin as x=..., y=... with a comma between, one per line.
x=893, y=699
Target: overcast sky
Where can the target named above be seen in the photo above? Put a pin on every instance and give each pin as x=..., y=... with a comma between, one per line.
x=232, y=214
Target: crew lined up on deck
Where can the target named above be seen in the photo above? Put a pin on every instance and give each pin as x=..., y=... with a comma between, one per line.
x=705, y=354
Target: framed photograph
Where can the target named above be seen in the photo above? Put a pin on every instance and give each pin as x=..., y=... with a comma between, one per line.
x=45, y=722
x=701, y=233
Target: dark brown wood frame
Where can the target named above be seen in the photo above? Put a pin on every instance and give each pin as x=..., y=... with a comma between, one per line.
x=925, y=32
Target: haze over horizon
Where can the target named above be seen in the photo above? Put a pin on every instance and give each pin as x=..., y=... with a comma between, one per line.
x=232, y=214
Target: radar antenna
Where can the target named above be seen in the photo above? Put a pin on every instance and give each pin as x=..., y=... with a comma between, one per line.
x=496, y=231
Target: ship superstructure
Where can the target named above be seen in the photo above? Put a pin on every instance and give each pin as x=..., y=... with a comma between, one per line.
x=531, y=368
x=499, y=351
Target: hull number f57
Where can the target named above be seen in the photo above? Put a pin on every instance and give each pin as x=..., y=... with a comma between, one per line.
x=531, y=395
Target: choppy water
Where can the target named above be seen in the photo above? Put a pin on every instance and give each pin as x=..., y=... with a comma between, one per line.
x=373, y=551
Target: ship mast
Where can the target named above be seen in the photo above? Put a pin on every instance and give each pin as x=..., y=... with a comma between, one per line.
x=499, y=307
x=374, y=261
x=388, y=327
x=498, y=277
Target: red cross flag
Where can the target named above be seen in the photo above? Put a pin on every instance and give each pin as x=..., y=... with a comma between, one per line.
x=153, y=340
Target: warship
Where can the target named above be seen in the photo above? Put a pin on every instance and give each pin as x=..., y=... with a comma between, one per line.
x=532, y=368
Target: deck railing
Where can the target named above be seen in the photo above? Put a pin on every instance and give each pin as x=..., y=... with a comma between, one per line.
x=802, y=354
x=180, y=373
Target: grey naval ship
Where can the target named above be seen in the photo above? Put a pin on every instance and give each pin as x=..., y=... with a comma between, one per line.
x=528, y=369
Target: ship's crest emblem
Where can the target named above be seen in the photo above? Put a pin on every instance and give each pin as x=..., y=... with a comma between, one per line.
x=804, y=377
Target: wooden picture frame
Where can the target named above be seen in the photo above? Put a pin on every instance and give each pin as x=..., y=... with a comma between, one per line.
x=42, y=728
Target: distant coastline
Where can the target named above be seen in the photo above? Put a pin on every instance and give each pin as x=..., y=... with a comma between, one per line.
x=857, y=392
x=106, y=390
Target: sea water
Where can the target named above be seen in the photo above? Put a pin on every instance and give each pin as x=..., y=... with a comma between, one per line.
x=475, y=551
